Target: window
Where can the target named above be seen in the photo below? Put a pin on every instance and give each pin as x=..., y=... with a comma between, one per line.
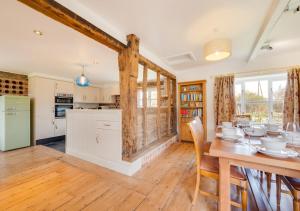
x=151, y=97
x=262, y=97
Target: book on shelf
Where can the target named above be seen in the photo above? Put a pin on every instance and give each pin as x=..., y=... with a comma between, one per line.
x=191, y=88
x=191, y=96
x=191, y=113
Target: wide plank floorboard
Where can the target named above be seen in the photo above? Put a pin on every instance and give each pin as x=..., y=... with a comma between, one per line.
x=40, y=178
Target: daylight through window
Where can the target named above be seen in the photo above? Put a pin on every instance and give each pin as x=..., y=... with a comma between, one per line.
x=262, y=97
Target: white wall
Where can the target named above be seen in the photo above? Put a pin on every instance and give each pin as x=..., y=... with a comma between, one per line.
x=208, y=72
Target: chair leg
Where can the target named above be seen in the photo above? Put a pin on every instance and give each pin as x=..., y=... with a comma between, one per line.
x=278, y=190
x=261, y=176
x=244, y=199
x=269, y=176
x=238, y=190
x=196, y=188
x=296, y=205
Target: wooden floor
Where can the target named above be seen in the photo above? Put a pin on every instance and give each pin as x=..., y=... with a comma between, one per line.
x=266, y=198
x=40, y=178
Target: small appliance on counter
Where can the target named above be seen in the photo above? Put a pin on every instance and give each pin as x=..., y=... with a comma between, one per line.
x=63, y=102
x=14, y=122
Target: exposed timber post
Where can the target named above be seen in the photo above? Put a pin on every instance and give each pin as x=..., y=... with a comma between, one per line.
x=169, y=106
x=145, y=82
x=158, y=105
x=128, y=65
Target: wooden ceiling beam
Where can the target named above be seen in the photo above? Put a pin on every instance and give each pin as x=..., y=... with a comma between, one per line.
x=65, y=16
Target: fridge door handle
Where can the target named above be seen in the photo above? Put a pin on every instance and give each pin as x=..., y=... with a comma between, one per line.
x=11, y=113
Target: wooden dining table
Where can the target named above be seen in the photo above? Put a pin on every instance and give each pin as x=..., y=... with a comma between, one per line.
x=245, y=155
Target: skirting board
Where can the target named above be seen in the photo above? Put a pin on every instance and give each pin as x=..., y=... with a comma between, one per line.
x=125, y=167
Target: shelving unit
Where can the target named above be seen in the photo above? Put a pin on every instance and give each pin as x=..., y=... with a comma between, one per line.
x=192, y=103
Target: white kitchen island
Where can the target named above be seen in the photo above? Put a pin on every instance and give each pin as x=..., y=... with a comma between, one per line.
x=96, y=136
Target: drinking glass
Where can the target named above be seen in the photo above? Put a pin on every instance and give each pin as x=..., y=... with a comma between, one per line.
x=291, y=127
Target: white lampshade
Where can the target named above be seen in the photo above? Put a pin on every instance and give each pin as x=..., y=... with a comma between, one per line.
x=217, y=49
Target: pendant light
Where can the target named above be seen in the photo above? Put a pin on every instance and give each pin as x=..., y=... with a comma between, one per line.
x=217, y=49
x=82, y=80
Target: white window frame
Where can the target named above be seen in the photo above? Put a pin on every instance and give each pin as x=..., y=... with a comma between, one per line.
x=270, y=78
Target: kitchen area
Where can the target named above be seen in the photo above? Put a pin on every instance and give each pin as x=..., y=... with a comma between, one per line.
x=72, y=87
x=50, y=99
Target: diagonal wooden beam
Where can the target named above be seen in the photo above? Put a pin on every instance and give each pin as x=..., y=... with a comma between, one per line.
x=65, y=16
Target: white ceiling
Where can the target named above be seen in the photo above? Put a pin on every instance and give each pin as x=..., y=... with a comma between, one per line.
x=285, y=35
x=170, y=28
x=59, y=52
x=165, y=27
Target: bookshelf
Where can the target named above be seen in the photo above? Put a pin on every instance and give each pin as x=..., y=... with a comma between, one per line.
x=192, y=103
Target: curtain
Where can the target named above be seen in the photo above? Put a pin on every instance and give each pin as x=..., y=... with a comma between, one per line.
x=291, y=109
x=224, y=100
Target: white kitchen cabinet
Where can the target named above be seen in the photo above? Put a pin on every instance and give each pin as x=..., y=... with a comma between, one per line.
x=106, y=94
x=116, y=89
x=92, y=95
x=60, y=127
x=63, y=87
x=41, y=91
x=79, y=94
x=104, y=144
x=86, y=95
x=96, y=136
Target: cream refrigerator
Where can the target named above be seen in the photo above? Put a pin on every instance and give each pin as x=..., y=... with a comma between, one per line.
x=14, y=122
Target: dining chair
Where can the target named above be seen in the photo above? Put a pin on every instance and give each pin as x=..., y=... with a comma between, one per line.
x=208, y=166
x=242, y=118
x=206, y=144
x=293, y=184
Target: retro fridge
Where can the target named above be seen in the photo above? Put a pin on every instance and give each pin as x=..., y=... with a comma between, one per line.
x=14, y=122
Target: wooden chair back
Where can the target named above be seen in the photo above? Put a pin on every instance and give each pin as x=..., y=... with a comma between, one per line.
x=197, y=131
x=240, y=117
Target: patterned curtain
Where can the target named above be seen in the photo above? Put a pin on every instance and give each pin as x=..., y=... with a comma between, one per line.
x=224, y=100
x=291, y=108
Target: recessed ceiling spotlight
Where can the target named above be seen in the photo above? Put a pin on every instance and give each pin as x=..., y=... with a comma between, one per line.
x=37, y=32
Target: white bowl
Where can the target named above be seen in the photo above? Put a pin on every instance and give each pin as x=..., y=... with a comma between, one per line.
x=229, y=132
x=276, y=144
x=227, y=124
x=272, y=127
x=255, y=131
